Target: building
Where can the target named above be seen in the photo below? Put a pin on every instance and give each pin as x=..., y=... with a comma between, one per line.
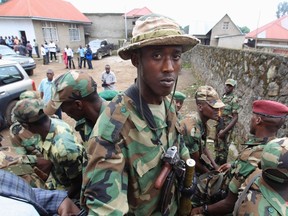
x=43, y=20
x=272, y=37
x=223, y=34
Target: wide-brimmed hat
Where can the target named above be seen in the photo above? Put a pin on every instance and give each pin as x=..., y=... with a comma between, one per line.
x=155, y=29
x=209, y=94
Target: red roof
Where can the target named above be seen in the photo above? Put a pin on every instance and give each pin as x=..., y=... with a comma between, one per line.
x=277, y=29
x=137, y=12
x=57, y=10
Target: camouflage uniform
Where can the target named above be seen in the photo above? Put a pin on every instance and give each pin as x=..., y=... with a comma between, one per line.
x=60, y=145
x=194, y=133
x=128, y=160
x=21, y=165
x=247, y=162
x=262, y=199
x=231, y=107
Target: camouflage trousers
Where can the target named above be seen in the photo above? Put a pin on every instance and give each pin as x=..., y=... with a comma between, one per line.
x=222, y=150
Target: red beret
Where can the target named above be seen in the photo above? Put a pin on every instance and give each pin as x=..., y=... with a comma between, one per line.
x=270, y=108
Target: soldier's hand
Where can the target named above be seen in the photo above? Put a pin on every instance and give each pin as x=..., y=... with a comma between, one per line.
x=68, y=207
x=44, y=165
x=221, y=134
x=197, y=211
x=224, y=167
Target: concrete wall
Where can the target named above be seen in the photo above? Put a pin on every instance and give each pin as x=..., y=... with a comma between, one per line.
x=235, y=42
x=110, y=26
x=259, y=76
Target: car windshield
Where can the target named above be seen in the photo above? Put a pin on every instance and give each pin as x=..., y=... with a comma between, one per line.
x=4, y=50
x=95, y=43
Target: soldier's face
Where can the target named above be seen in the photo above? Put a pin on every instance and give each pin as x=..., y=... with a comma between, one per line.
x=209, y=112
x=179, y=104
x=71, y=108
x=158, y=68
x=228, y=89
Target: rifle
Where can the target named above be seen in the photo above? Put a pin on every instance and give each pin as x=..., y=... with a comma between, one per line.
x=185, y=201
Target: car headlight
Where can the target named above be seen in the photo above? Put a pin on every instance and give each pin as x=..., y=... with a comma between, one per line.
x=31, y=61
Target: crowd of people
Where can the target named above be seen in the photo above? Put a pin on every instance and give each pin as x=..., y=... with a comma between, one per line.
x=135, y=152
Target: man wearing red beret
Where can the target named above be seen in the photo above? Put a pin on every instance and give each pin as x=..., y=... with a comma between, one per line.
x=267, y=118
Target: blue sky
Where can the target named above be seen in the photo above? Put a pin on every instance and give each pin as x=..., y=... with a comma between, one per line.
x=200, y=15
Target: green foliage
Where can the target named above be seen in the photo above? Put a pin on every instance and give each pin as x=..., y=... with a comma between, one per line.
x=282, y=9
x=244, y=29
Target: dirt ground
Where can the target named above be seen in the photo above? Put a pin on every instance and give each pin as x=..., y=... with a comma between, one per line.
x=125, y=73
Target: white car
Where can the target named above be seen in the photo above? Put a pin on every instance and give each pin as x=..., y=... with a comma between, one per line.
x=13, y=81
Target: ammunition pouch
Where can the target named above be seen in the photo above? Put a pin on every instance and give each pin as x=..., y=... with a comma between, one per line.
x=205, y=161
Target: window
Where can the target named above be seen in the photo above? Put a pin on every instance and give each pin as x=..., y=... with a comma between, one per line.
x=74, y=32
x=49, y=31
x=225, y=25
x=9, y=74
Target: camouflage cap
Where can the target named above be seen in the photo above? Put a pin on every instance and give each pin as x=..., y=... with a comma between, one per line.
x=208, y=94
x=231, y=82
x=108, y=95
x=179, y=96
x=155, y=29
x=73, y=85
x=274, y=161
x=29, y=94
x=29, y=110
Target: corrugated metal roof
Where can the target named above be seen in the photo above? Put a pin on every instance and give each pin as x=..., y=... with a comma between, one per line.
x=137, y=12
x=42, y=9
x=277, y=29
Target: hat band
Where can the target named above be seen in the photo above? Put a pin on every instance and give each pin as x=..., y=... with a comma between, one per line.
x=155, y=34
x=274, y=178
x=270, y=116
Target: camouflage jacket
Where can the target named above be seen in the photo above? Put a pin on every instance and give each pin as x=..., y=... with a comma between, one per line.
x=231, y=106
x=126, y=160
x=194, y=132
x=247, y=162
x=261, y=199
x=85, y=128
x=62, y=148
x=21, y=165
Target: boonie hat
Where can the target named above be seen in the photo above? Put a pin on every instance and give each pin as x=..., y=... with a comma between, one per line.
x=208, y=94
x=29, y=94
x=155, y=29
x=179, y=96
x=269, y=108
x=231, y=82
x=108, y=95
x=29, y=110
x=73, y=85
x=274, y=160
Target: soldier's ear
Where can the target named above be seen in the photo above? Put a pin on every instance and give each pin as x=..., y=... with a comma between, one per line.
x=258, y=119
x=78, y=104
x=134, y=59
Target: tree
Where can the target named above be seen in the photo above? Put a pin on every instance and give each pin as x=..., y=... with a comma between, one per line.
x=244, y=29
x=282, y=9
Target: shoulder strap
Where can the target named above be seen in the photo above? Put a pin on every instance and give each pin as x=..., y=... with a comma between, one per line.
x=142, y=108
x=244, y=193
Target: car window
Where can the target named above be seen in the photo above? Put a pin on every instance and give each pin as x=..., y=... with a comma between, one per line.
x=9, y=74
x=4, y=50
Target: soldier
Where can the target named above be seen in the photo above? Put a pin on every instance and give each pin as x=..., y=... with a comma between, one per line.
x=267, y=194
x=226, y=123
x=194, y=127
x=267, y=118
x=179, y=98
x=76, y=93
x=58, y=143
x=138, y=126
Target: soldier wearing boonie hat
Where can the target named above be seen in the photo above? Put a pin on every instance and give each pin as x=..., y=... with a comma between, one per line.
x=267, y=193
x=58, y=143
x=194, y=127
x=227, y=120
x=76, y=93
x=267, y=118
x=155, y=50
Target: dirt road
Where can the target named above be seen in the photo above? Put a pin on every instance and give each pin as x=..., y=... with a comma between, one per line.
x=125, y=73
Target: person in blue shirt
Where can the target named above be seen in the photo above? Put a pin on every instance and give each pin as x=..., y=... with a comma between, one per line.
x=82, y=58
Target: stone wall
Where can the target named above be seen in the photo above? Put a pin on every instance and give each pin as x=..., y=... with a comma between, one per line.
x=259, y=76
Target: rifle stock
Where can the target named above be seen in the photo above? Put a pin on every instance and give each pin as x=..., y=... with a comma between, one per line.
x=185, y=201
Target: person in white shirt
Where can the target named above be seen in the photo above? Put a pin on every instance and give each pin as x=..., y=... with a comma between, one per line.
x=108, y=79
x=52, y=50
x=69, y=53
